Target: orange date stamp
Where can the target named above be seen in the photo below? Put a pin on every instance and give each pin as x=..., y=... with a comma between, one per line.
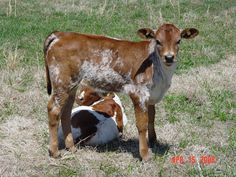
x=204, y=159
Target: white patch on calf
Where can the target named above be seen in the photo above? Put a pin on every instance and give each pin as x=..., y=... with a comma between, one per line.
x=114, y=117
x=106, y=57
x=54, y=72
x=106, y=128
x=124, y=118
x=52, y=38
x=76, y=132
x=139, y=90
x=81, y=96
x=106, y=131
x=161, y=79
x=102, y=76
x=152, y=46
x=119, y=62
x=139, y=78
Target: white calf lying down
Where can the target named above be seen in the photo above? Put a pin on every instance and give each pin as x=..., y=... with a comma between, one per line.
x=97, y=124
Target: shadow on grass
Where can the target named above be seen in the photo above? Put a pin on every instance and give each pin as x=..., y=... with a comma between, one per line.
x=126, y=145
x=132, y=146
x=160, y=148
x=120, y=146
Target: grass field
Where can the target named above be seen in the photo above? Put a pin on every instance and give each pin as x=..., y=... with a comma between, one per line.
x=196, y=119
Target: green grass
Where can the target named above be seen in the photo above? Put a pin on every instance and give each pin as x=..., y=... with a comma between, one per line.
x=9, y=109
x=223, y=102
x=232, y=138
x=65, y=172
x=110, y=170
x=183, y=143
x=34, y=20
x=219, y=106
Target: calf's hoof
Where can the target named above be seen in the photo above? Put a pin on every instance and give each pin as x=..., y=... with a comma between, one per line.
x=145, y=155
x=55, y=154
x=72, y=149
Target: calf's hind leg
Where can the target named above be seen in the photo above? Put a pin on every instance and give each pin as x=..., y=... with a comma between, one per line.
x=59, y=107
x=53, y=121
x=66, y=122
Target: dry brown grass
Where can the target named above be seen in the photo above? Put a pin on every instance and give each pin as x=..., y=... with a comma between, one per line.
x=219, y=76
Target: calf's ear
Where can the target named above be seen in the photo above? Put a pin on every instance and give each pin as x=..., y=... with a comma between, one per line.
x=189, y=33
x=146, y=33
x=105, y=107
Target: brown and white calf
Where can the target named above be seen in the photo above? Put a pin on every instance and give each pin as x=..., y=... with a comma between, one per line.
x=97, y=120
x=142, y=69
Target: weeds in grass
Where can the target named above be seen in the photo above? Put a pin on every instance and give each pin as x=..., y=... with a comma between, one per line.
x=11, y=57
x=109, y=169
x=8, y=109
x=67, y=172
x=10, y=9
x=218, y=106
x=232, y=138
x=222, y=103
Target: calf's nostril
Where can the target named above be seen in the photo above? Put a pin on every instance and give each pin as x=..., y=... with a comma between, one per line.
x=169, y=58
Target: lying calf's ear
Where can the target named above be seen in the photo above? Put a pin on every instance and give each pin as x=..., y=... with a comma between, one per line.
x=146, y=33
x=110, y=95
x=105, y=107
x=189, y=33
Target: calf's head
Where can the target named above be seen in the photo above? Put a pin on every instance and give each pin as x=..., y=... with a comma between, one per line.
x=87, y=96
x=166, y=40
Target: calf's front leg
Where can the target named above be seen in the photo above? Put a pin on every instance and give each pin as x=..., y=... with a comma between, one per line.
x=141, y=116
x=151, y=129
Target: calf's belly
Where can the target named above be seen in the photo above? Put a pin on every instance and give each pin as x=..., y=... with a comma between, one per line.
x=103, y=77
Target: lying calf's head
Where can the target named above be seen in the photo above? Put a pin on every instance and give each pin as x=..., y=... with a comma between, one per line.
x=87, y=96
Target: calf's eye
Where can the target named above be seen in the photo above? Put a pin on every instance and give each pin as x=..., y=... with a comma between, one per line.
x=158, y=42
x=178, y=42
